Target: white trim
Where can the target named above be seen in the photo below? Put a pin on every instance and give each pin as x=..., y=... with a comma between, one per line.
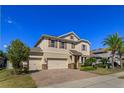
x=69, y=33
x=35, y=56
x=86, y=40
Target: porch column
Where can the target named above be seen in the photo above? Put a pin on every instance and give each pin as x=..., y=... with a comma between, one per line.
x=73, y=59
x=77, y=61
x=83, y=60
x=80, y=57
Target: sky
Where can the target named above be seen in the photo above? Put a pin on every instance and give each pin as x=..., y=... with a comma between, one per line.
x=28, y=23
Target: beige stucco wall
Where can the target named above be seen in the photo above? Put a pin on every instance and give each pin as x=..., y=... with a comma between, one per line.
x=79, y=48
x=44, y=46
x=68, y=37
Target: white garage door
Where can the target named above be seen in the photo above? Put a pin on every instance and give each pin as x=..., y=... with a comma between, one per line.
x=57, y=63
x=35, y=64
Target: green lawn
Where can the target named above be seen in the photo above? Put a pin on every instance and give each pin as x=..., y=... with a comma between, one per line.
x=100, y=70
x=7, y=80
x=87, y=68
x=104, y=71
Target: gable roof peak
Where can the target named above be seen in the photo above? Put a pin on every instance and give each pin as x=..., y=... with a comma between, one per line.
x=72, y=32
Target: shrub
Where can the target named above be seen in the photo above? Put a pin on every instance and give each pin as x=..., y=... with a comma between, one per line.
x=89, y=61
x=104, y=60
x=101, y=65
x=104, y=63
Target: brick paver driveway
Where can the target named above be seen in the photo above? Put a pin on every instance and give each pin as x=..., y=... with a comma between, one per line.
x=57, y=76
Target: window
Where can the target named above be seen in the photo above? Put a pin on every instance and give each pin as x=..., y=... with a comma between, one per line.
x=63, y=45
x=71, y=37
x=84, y=47
x=72, y=46
x=53, y=43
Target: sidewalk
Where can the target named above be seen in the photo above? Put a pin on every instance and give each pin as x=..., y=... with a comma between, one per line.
x=106, y=81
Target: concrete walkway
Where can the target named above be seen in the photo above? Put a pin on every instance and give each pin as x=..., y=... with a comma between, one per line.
x=106, y=81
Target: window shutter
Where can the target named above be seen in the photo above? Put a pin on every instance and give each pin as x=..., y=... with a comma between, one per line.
x=56, y=43
x=59, y=44
x=49, y=42
x=85, y=47
x=72, y=45
x=65, y=45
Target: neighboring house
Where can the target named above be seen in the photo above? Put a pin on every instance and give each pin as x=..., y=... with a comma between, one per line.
x=103, y=53
x=3, y=62
x=58, y=52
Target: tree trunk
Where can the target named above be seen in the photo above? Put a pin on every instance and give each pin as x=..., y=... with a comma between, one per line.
x=113, y=61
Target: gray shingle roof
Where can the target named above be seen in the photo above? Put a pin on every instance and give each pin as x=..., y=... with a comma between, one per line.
x=36, y=51
x=74, y=52
x=62, y=39
x=100, y=50
x=94, y=55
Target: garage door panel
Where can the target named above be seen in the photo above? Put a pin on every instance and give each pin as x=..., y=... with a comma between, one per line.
x=57, y=63
x=35, y=64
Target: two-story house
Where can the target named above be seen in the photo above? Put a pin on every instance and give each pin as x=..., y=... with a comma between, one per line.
x=59, y=52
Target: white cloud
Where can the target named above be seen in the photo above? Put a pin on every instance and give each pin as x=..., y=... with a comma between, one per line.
x=5, y=46
x=10, y=21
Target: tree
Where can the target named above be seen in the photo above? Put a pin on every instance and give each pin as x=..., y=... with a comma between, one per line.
x=112, y=42
x=121, y=51
x=17, y=53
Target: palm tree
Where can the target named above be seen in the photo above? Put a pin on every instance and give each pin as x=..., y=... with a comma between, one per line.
x=112, y=42
x=121, y=51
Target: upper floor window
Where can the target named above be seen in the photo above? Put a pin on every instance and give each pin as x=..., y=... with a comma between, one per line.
x=63, y=45
x=71, y=37
x=72, y=46
x=84, y=47
x=53, y=43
